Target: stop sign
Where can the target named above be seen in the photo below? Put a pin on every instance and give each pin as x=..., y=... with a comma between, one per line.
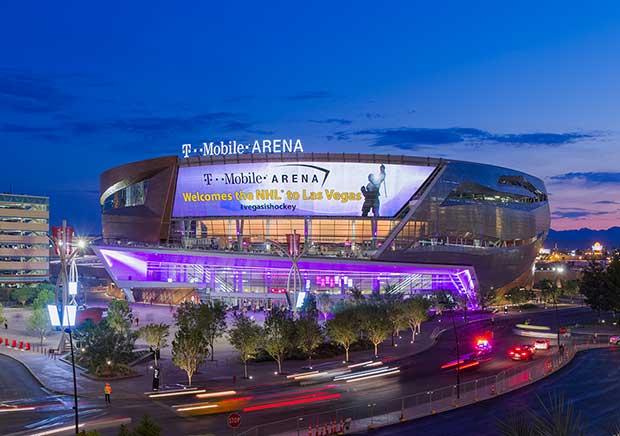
x=234, y=420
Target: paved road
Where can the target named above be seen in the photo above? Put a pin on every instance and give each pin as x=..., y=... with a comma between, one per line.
x=419, y=373
x=19, y=389
x=589, y=383
x=16, y=383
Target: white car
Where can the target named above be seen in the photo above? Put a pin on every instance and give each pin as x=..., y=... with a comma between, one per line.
x=541, y=344
x=614, y=340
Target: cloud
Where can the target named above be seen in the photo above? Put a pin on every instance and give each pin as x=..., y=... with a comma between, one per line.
x=590, y=178
x=577, y=213
x=412, y=138
x=145, y=126
x=606, y=202
x=339, y=121
x=309, y=95
x=169, y=124
x=47, y=134
x=243, y=126
x=31, y=93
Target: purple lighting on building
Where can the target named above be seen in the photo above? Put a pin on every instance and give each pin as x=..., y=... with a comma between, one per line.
x=166, y=268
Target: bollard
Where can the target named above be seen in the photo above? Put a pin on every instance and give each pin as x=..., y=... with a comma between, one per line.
x=21, y=345
x=27, y=346
x=310, y=430
x=14, y=344
x=6, y=342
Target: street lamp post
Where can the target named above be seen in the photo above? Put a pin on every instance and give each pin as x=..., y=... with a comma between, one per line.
x=559, y=270
x=64, y=316
x=75, y=397
x=458, y=358
x=66, y=285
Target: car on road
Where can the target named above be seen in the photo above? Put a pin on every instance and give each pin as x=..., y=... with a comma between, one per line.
x=541, y=344
x=614, y=340
x=521, y=353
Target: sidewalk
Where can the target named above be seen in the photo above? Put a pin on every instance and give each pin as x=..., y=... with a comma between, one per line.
x=56, y=375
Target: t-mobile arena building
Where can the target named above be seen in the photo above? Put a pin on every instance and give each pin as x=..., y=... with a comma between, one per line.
x=228, y=227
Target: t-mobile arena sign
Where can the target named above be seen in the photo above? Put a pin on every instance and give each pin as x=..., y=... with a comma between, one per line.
x=225, y=148
x=296, y=189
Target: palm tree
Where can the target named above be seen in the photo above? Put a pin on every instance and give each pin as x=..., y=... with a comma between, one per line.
x=555, y=417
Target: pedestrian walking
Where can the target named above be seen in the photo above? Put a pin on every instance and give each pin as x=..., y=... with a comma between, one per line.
x=6, y=325
x=137, y=321
x=107, y=390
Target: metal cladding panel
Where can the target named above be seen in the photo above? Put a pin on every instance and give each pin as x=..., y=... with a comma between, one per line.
x=149, y=222
x=502, y=213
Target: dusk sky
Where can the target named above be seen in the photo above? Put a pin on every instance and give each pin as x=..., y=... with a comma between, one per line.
x=534, y=87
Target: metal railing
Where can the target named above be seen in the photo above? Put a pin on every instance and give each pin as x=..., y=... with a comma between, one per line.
x=378, y=413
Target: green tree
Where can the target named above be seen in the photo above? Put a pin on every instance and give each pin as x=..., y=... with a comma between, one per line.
x=324, y=304
x=489, y=297
x=548, y=291
x=189, y=350
x=213, y=322
x=23, y=294
x=612, y=282
x=309, y=334
x=146, y=427
x=416, y=312
x=594, y=287
x=518, y=295
x=356, y=294
x=119, y=316
x=103, y=350
x=343, y=329
x=278, y=335
x=395, y=310
x=3, y=317
x=155, y=336
x=44, y=296
x=375, y=323
x=570, y=288
x=38, y=323
x=245, y=336
x=442, y=300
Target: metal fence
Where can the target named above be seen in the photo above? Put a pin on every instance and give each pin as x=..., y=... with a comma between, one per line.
x=377, y=413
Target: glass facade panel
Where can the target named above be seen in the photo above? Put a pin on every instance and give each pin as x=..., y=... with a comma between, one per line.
x=132, y=195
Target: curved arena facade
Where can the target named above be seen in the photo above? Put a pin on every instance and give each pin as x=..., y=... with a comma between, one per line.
x=229, y=227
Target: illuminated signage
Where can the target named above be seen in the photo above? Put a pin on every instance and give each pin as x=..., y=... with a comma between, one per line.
x=224, y=148
x=296, y=189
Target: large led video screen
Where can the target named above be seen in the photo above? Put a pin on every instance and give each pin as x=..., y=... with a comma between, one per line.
x=296, y=189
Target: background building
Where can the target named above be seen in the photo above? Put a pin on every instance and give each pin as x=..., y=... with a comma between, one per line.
x=436, y=224
x=24, y=244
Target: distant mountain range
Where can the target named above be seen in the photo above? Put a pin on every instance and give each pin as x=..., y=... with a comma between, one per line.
x=583, y=238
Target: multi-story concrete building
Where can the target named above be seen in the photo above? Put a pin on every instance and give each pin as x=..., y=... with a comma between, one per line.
x=24, y=245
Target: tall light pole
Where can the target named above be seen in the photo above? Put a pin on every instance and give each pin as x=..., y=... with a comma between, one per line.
x=559, y=270
x=64, y=316
x=63, y=312
x=66, y=284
